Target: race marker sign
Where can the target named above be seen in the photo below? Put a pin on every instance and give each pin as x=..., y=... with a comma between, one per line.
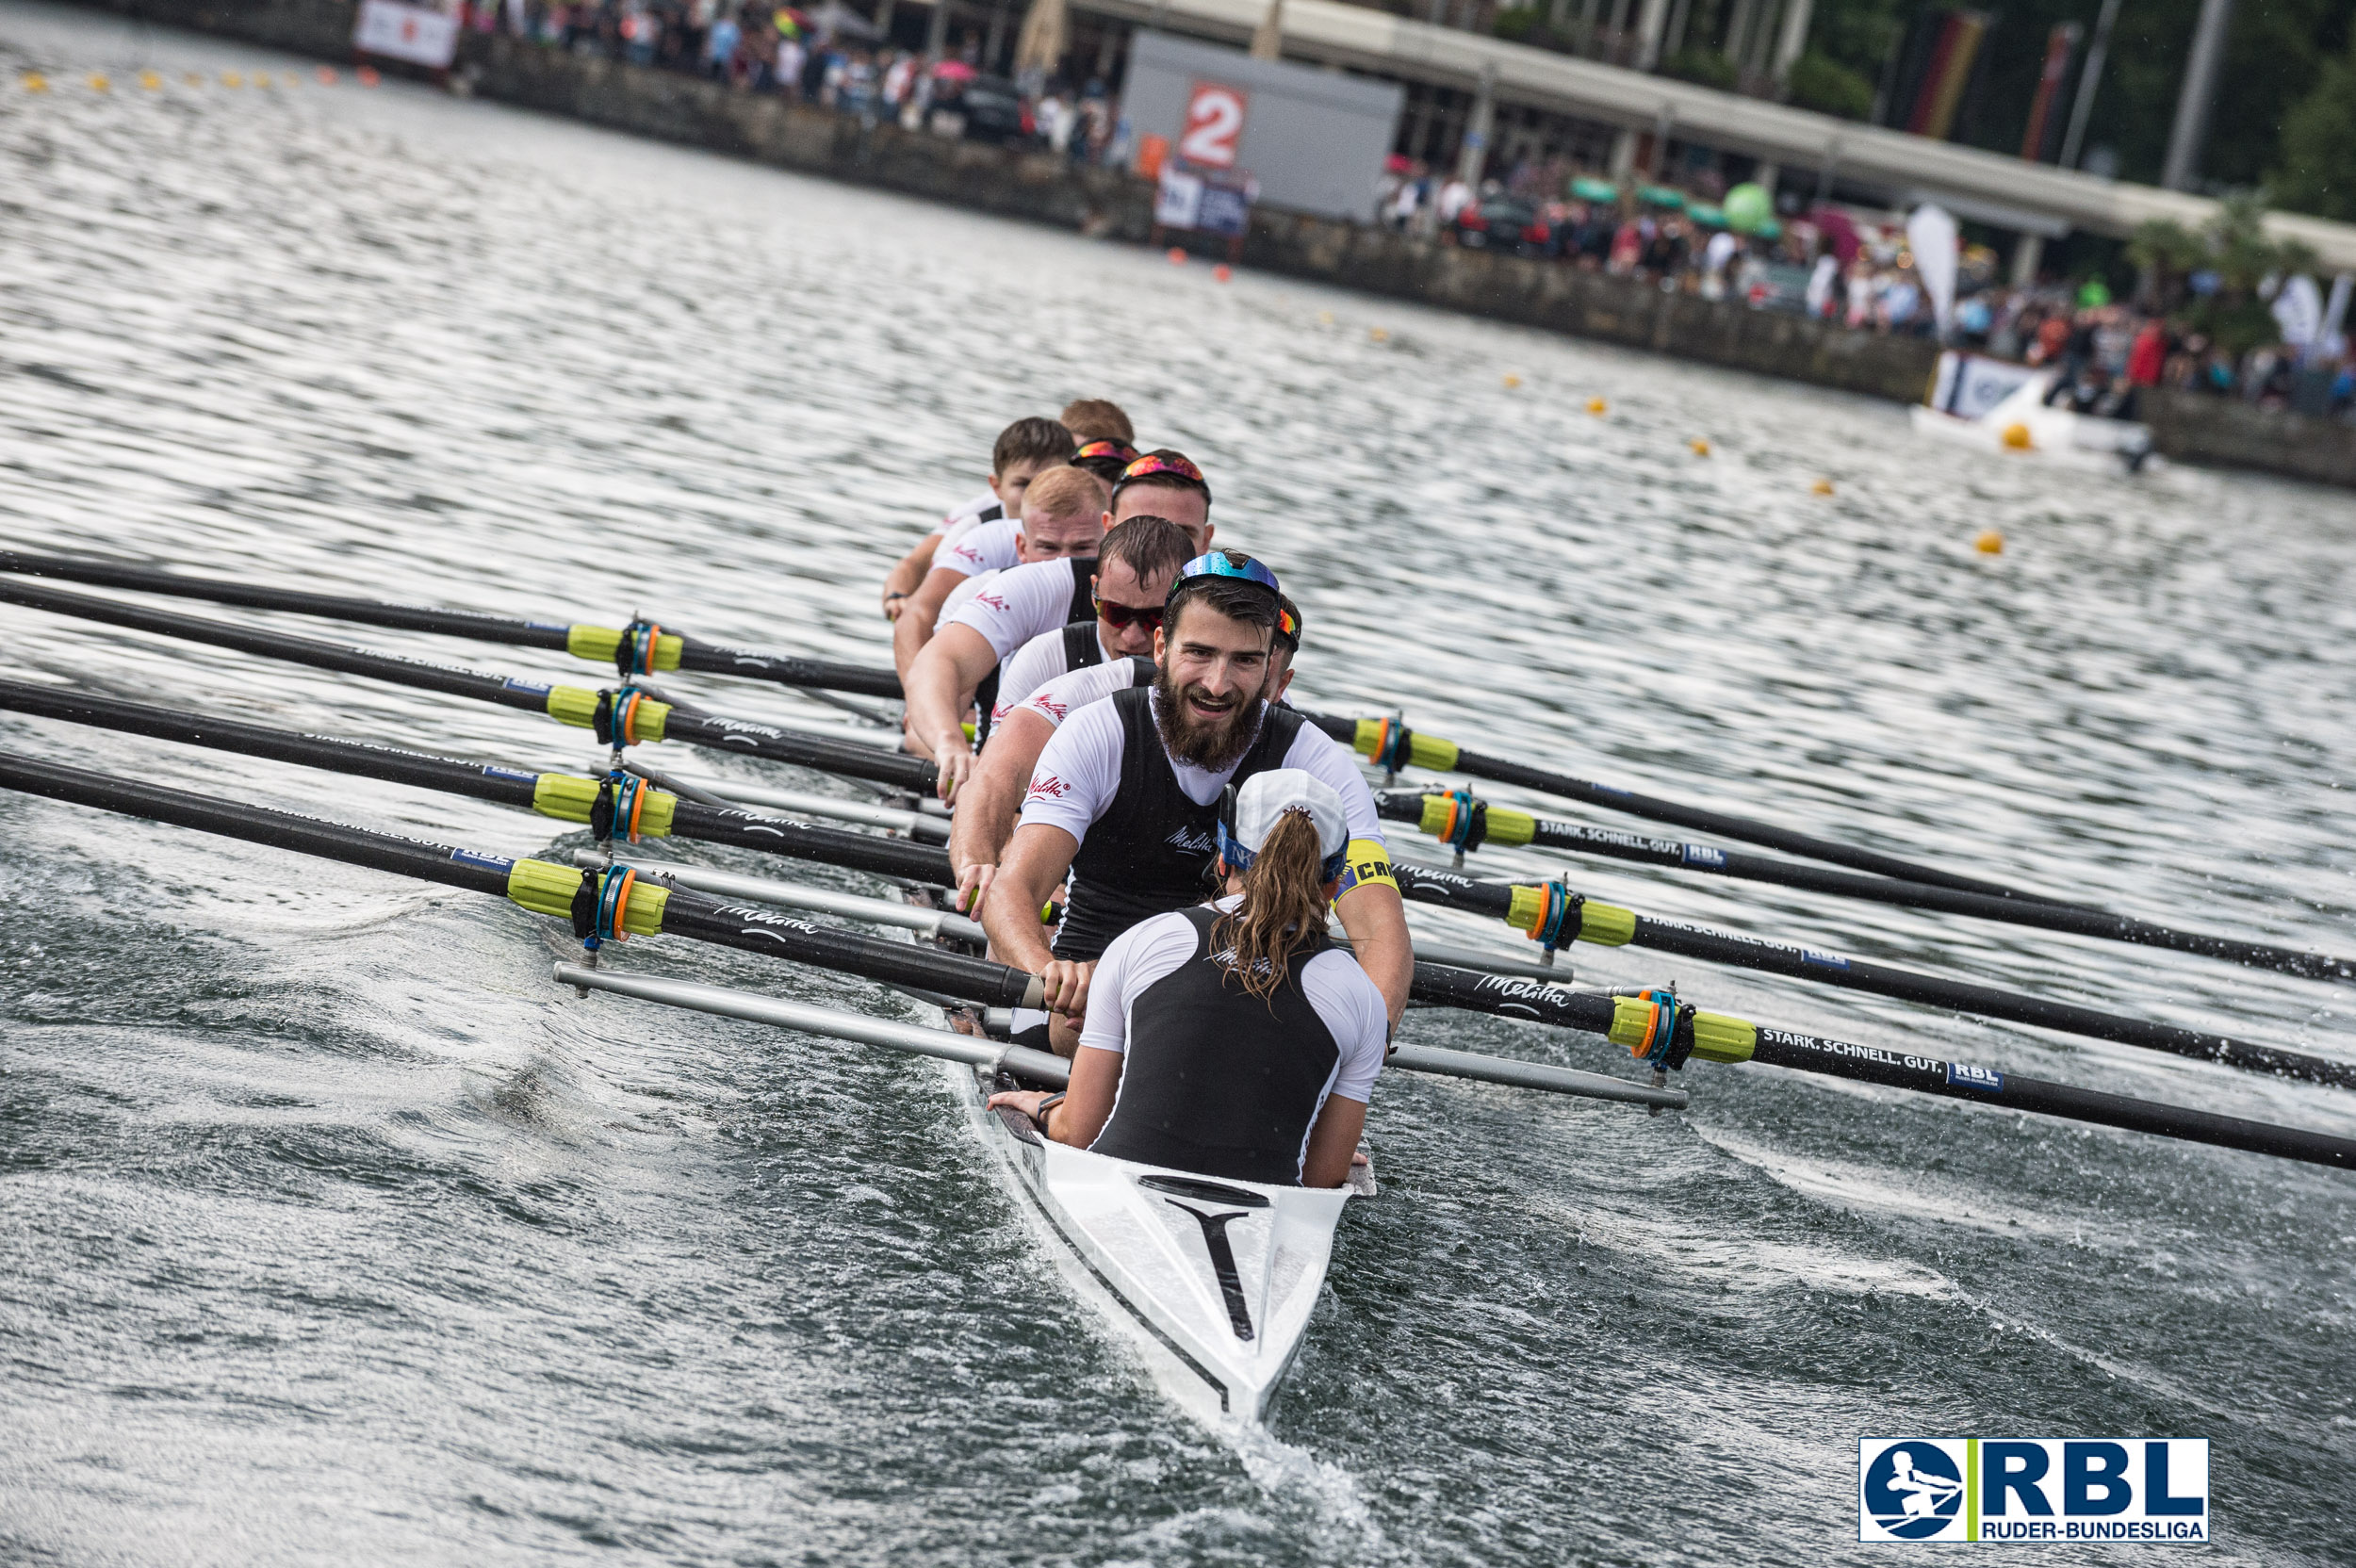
x=2086, y=1490
x=1214, y=125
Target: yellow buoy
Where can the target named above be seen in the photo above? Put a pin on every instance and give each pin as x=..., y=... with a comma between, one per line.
x=99, y=83
x=1989, y=543
x=1511, y=381
x=230, y=78
x=1380, y=335
x=1325, y=317
x=36, y=82
x=2017, y=437
x=261, y=79
x=1821, y=487
x=1701, y=447
x=1595, y=406
x=151, y=81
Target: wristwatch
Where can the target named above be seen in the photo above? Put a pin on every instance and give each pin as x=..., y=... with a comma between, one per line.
x=1039, y=1117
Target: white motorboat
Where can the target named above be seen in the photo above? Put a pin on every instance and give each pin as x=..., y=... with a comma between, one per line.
x=2001, y=407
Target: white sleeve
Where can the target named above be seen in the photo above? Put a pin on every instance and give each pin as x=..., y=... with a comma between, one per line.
x=1321, y=757
x=1134, y=960
x=1019, y=605
x=1065, y=695
x=1078, y=772
x=983, y=548
x=1352, y=1009
x=1033, y=665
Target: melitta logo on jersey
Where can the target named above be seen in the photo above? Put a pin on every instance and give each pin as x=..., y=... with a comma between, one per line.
x=2041, y=1489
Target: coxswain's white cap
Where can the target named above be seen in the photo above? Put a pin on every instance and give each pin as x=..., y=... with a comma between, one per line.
x=1266, y=797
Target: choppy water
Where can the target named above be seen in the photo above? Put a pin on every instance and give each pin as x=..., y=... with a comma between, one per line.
x=330, y=1232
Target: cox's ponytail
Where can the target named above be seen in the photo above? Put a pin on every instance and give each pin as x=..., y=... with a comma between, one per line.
x=1283, y=909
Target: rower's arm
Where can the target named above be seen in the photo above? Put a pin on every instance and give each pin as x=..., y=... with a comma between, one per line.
x=988, y=803
x=1332, y=1141
x=914, y=626
x=1375, y=917
x=904, y=578
x=1087, y=1100
x=1036, y=859
x=940, y=688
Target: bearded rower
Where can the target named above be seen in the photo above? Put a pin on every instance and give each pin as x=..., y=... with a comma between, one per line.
x=1024, y=603
x=1126, y=797
x=994, y=793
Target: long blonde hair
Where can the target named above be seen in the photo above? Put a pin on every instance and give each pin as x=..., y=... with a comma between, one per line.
x=1282, y=907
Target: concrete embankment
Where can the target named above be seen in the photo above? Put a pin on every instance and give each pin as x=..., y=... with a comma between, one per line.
x=1035, y=188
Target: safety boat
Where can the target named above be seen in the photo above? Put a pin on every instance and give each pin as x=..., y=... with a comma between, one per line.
x=2000, y=407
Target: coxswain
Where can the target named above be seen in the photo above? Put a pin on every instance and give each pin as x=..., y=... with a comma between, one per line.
x=1062, y=515
x=969, y=645
x=994, y=792
x=1126, y=796
x=1234, y=1039
x=1023, y=451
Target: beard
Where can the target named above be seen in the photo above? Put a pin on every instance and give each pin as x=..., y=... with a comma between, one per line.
x=1213, y=745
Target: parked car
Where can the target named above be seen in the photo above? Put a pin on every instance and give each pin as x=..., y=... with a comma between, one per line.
x=994, y=111
x=1505, y=224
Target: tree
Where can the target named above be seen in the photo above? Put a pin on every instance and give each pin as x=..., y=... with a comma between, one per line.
x=2217, y=274
x=1821, y=83
x=2317, y=171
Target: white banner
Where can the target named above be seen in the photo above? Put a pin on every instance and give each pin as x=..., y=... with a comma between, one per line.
x=1969, y=385
x=410, y=33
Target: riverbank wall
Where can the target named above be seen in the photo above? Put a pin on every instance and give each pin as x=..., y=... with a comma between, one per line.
x=1112, y=205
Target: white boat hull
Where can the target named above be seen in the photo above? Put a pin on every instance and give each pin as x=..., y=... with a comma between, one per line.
x=2021, y=425
x=1211, y=1281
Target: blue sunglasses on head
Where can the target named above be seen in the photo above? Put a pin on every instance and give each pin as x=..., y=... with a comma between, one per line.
x=1232, y=564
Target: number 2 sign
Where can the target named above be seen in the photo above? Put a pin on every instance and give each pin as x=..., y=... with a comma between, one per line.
x=1214, y=125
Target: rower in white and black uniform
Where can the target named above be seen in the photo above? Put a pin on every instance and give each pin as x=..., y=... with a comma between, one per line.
x=1024, y=603
x=1022, y=452
x=1126, y=796
x=994, y=792
x=1234, y=1039
x=1062, y=515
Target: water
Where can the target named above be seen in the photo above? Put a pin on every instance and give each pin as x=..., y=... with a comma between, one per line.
x=332, y=1232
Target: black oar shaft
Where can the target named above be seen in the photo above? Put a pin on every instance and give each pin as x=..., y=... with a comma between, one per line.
x=1427, y=886
x=691, y=725
x=718, y=659
x=1447, y=756
x=799, y=841
x=683, y=913
x=1503, y=827
x=766, y=931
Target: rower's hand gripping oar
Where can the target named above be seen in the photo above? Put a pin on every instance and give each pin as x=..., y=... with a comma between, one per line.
x=1656, y=1028
x=1465, y=823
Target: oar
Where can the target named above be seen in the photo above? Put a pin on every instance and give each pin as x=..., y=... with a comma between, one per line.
x=625, y=809
x=1393, y=746
x=1466, y=824
x=613, y=905
x=620, y=712
x=624, y=646
x=612, y=808
x=1039, y=1067
x=1553, y=910
x=1660, y=1028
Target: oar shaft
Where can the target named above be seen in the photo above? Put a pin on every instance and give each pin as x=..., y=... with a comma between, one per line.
x=540, y=886
x=1509, y=828
x=1426, y=751
x=586, y=641
x=1613, y=926
x=567, y=704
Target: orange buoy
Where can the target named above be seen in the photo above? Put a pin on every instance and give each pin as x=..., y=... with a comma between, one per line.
x=1989, y=543
x=1222, y=272
x=1380, y=335
x=1701, y=447
x=367, y=75
x=1512, y=380
x=1821, y=487
x=327, y=75
x=99, y=83
x=2016, y=438
x=1596, y=407
x=1177, y=256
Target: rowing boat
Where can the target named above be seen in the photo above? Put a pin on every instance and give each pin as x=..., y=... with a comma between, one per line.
x=1211, y=1283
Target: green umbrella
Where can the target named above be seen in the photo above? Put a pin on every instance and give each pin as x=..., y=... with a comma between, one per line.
x=1595, y=190
x=1660, y=196
x=1709, y=217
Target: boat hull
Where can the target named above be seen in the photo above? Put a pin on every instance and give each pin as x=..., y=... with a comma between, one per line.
x=1211, y=1281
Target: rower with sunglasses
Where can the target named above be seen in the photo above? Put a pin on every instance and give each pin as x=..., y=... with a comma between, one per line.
x=1044, y=596
x=1126, y=797
x=987, y=805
